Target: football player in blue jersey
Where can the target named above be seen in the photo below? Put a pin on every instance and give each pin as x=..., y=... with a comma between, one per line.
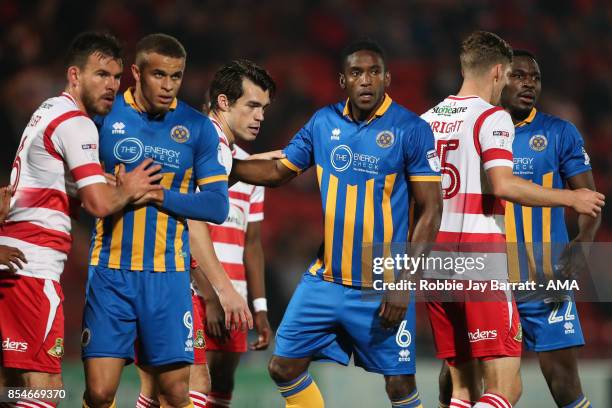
x=548, y=151
x=556, y=154
x=371, y=156
x=138, y=290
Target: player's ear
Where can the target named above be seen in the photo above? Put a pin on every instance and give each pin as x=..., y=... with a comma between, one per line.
x=387, y=78
x=223, y=102
x=498, y=72
x=342, y=81
x=72, y=75
x=135, y=72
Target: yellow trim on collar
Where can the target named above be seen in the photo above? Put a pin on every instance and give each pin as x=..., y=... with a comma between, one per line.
x=379, y=112
x=129, y=99
x=528, y=119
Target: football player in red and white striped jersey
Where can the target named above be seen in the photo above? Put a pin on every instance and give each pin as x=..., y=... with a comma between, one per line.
x=57, y=166
x=474, y=142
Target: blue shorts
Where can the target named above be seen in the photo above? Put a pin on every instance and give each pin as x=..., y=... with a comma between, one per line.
x=549, y=325
x=329, y=321
x=123, y=307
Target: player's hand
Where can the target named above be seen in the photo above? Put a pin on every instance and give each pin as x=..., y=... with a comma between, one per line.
x=272, y=155
x=110, y=179
x=215, y=320
x=11, y=258
x=154, y=196
x=573, y=260
x=264, y=332
x=6, y=193
x=139, y=181
x=393, y=308
x=237, y=313
x=588, y=202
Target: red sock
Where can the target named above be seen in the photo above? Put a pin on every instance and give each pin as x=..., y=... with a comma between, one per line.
x=219, y=400
x=459, y=403
x=490, y=400
x=199, y=400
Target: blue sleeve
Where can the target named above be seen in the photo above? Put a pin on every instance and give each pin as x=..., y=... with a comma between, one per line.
x=211, y=203
x=300, y=150
x=573, y=159
x=422, y=162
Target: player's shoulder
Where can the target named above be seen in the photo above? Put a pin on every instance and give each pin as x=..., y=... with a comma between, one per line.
x=552, y=121
x=401, y=117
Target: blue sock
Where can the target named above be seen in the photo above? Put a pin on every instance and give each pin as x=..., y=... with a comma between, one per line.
x=581, y=402
x=411, y=401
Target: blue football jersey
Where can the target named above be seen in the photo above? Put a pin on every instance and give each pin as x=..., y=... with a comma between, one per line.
x=186, y=144
x=547, y=151
x=364, y=170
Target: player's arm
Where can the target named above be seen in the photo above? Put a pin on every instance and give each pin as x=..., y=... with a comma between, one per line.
x=215, y=316
x=423, y=173
x=101, y=199
x=299, y=156
x=5, y=202
x=237, y=311
x=211, y=202
x=587, y=225
x=75, y=142
x=269, y=173
x=255, y=277
x=509, y=187
x=495, y=139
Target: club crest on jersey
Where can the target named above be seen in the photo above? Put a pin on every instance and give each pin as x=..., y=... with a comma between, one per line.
x=85, y=337
x=199, y=341
x=335, y=135
x=58, y=349
x=385, y=139
x=538, y=143
x=180, y=134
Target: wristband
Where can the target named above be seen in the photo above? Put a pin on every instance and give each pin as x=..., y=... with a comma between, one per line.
x=260, y=305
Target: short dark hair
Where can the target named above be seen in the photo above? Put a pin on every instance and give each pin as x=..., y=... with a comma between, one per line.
x=162, y=44
x=90, y=42
x=228, y=81
x=482, y=49
x=365, y=44
x=523, y=53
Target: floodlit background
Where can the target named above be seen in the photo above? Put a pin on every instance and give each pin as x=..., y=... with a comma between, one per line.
x=299, y=43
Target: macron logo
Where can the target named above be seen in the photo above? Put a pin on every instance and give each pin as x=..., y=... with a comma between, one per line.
x=20, y=346
x=118, y=128
x=480, y=335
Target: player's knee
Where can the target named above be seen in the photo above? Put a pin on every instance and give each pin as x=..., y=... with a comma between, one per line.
x=398, y=386
x=174, y=394
x=98, y=395
x=42, y=380
x=283, y=370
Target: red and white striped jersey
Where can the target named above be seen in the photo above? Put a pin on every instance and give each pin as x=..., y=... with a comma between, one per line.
x=471, y=136
x=246, y=205
x=57, y=155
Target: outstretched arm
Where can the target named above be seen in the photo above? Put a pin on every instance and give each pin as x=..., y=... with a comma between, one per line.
x=509, y=187
x=269, y=173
